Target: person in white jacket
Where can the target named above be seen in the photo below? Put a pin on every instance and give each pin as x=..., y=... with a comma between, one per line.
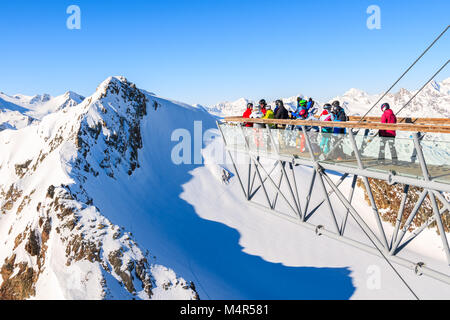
x=258, y=134
x=257, y=114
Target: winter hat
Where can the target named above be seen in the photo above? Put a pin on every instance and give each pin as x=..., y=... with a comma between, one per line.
x=385, y=106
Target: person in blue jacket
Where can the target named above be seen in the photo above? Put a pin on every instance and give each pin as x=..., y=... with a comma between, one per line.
x=302, y=110
x=338, y=114
x=310, y=105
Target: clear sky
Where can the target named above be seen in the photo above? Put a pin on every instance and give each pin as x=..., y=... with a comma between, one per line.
x=206, y=51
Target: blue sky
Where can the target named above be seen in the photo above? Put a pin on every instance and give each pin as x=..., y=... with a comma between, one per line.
x=210, y=51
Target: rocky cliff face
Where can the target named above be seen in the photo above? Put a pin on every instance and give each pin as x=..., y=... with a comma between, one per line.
x=54, y=237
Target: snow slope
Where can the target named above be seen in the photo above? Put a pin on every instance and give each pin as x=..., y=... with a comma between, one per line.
x=293, y=261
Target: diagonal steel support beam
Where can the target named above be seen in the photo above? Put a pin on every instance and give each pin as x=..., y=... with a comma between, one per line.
x=441, y=229
x=275, y=186
x=369, y=191
x=350, y=198
x=321, y=183
x=264, y=180
x=310, y=189
x=279, y=185
x=297, y=205
x=232, y=160
x=341, y=179
x=418, y=231
x=291, y=166
x=261, y=181
x=377, y=242
x=409, y=221
x=257, y=171
x=400, y=215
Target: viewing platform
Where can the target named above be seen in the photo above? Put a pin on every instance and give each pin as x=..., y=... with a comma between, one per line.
x=423, y=154
x=418, y=156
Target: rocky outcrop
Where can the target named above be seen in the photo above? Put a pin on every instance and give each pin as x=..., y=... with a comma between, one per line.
x=388, y=200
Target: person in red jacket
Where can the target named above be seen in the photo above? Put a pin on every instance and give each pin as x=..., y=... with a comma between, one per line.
x=247, y=114
x=387, y=136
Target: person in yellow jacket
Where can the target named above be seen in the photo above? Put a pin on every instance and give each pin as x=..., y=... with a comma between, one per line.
x=269, y=115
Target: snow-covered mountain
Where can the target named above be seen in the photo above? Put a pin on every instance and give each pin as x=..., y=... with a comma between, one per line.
x=58, y=241
x=432, y=101
x=19, y=110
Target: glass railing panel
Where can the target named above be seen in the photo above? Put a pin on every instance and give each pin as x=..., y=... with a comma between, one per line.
x=334, y=147
x=437, y=158
x=258, y=140
x=389, y=154
x=233, y=136
x=381, y=154
x=291, y=142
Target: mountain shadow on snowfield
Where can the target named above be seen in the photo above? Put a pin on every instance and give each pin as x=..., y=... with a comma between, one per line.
x=148, y=204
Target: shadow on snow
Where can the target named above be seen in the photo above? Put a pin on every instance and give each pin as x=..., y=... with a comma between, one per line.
x=206, y=252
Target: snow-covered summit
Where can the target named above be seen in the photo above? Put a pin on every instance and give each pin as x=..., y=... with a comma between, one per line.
x=432, y=101
x=59, y=239
x=18, y=111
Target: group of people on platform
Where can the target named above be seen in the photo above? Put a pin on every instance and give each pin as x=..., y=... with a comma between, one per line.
x=334, y=112
x=305, y=110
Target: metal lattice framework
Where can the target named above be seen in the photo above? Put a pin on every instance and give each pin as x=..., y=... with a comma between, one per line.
x=257, y=180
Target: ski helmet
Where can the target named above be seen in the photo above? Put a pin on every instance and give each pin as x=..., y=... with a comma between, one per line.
x=263, y=102
x=385, y=106
x=335, y=103
x=335, y=109
x=302, y=103
x=249, y=105
x=327, y=106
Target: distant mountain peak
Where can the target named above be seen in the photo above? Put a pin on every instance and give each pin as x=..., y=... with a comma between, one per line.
x=40, y=98
x=355, y=93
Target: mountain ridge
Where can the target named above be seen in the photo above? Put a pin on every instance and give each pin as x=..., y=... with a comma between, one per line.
x=55, y=232
x=357, y=101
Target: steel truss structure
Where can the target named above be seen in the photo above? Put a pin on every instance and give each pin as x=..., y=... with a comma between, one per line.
x=258, y=179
